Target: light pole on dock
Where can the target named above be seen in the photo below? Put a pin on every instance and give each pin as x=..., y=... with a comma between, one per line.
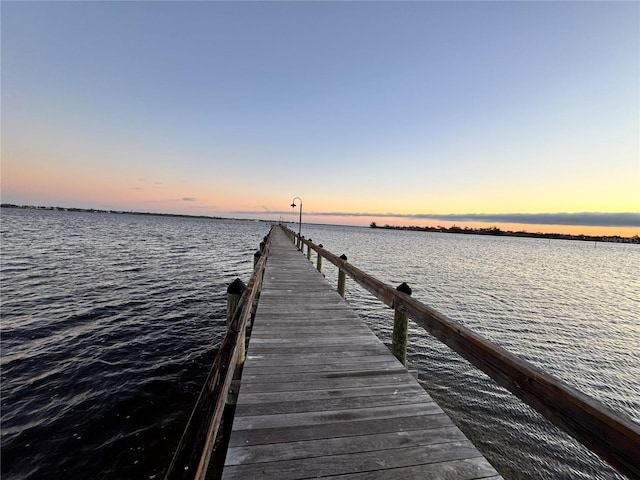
x=293, y=205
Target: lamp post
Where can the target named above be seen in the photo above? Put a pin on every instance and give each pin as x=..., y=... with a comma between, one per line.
x=293, y=205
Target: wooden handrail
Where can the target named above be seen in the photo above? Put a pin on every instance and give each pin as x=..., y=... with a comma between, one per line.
x=191, y=459
x=610, y=434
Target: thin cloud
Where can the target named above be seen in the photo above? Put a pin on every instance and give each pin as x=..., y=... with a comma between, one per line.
x=189, y=199
x=205, y=207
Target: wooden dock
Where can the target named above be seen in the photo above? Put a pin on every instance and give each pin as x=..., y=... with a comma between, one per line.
x=322, y=396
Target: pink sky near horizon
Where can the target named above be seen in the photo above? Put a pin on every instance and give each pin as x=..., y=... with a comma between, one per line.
x=50, y=186
x=87, y=198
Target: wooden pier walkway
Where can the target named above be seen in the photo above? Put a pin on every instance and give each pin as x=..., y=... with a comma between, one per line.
x=322, y=396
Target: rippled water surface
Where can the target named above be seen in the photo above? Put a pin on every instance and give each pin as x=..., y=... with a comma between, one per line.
x=110, y=323
x=109, y=326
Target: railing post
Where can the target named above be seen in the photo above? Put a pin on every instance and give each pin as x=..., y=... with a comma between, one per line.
x=256, y=258
x=400, y=329
x=234, y=292
x=319, y=264
x=342, y=278
x=309, y=251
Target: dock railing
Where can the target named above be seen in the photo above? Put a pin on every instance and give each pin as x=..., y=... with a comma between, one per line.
x=606, y=432
x=192, y=457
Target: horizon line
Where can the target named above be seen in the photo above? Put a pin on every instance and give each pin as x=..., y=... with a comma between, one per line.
x=587, y=219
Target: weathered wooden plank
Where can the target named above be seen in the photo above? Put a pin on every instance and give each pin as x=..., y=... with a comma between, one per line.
x=327, y=345
x=261, y=436
x=313, y=334
x=381, y=362
x=354, y=373
x=326, y=302
x=250, y=400
x=313, y=356
x=335, y=349
x=330, y=404
x=466, y=469
x=391, y=380
x=271, y=322
x=245, y=422
x=329, y=339
x=327, y=306
x=435, y=455
x=342, y=445
x=305, y=324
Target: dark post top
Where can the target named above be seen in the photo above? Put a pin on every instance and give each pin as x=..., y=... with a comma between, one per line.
x=404, y=288
x=236, y=287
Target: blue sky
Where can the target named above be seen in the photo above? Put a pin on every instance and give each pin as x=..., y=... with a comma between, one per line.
x=415, y=110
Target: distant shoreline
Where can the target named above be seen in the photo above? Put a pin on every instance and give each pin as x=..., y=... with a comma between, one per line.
x=493, y=231
x=120, y=212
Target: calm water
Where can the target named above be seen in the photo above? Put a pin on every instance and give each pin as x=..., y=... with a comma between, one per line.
x=110, y=324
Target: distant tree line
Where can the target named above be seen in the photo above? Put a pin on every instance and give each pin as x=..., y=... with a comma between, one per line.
x=498, y=232
x=93, y=210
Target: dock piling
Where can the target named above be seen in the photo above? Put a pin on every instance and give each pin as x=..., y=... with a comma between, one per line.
x=400, y=329
x=319, y=263
x=234, y=293
x=342, y=278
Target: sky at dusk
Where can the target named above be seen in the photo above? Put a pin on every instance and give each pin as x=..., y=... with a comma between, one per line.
x=524, y=115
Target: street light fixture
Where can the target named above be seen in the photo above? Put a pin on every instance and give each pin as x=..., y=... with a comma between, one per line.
x=293, y=205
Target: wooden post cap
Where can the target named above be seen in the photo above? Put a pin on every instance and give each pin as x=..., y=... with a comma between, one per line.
x=404, y=288
x=236, y=287
x=343, y=257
